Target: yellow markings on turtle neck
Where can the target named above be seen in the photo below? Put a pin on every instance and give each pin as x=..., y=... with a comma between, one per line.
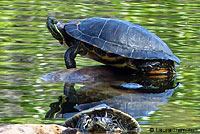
x=52, y=31
x=59, y=31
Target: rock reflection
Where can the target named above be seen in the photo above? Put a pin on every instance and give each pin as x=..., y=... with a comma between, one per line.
x=135, y=94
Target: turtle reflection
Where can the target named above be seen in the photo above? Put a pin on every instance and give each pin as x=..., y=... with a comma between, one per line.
x=136, y=94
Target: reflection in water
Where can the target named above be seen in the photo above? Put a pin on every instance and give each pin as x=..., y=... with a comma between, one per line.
x=137, y=105
x=137, y=94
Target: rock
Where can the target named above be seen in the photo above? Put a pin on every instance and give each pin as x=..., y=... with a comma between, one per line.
x=32, y=129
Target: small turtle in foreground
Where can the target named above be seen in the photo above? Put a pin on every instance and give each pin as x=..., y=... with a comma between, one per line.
x=113, y=42
x=103, y=118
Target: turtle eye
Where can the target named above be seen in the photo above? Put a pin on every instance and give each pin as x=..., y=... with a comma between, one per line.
x=55, y=21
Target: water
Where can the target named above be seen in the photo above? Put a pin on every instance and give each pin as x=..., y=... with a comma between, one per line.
x=28, y=51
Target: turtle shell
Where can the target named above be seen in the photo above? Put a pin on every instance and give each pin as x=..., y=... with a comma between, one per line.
x=120, y=37
x=126, y=121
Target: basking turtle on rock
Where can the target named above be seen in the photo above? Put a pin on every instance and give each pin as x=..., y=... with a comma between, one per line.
x=113, y=42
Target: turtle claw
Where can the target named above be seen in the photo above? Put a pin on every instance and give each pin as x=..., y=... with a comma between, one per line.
x=70, y=64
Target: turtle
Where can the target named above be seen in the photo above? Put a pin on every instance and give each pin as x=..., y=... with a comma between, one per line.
x=103, y=118
x=113, y=42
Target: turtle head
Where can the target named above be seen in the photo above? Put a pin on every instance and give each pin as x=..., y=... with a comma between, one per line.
x=104, y=123
x=57, y=29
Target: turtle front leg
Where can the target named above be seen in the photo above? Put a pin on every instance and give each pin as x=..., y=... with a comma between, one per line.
x=70, y=55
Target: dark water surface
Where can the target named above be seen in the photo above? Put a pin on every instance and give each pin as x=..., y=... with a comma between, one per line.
x=28, y=51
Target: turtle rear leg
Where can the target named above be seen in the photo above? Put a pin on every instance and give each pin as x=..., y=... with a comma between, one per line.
x=155, y=66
